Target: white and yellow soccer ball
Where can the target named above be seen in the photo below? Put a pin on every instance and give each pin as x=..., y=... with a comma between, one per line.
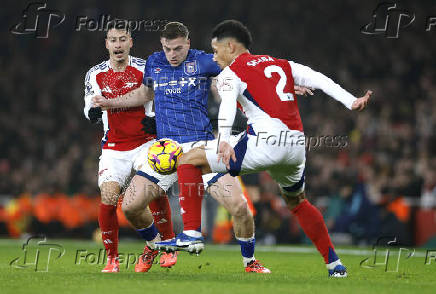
x=163, y=156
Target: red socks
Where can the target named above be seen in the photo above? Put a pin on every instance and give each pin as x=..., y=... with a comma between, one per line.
x=108, y=221
x=161, y=210
x=312, y=223
x=190, y=195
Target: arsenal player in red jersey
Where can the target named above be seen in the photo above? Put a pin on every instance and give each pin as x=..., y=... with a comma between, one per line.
x=123, y=140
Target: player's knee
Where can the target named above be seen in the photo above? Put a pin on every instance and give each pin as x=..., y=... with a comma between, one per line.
x=194, y=157
x=130, y=209
x=110, y=193
x=293, y=200
x=240, y=209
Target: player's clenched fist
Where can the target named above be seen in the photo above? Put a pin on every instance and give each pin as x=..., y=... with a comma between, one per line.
x=360, y=103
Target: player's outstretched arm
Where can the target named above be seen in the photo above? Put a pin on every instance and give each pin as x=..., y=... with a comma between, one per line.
x=306, y=77
x=137, y=97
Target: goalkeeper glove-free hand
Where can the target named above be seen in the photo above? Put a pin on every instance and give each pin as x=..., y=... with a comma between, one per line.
x=95, y=114
x=149, y=124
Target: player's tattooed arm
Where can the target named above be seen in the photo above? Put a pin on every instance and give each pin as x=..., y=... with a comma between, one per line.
x=137, y=97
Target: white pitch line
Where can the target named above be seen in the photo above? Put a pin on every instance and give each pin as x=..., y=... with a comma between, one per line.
x=299, y=249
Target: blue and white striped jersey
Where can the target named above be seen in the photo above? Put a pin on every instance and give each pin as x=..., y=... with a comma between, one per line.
x=180, y=95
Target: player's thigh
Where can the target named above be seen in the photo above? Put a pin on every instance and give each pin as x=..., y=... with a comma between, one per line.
x=140, y=192
x=163, y=181
x=291, y=180
x=252, y=155
x=112, y=176
x=114, y=168
x=110, y=192
x=227, y=191
x=140, y=157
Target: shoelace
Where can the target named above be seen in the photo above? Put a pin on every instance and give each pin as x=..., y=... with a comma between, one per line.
x=255, y=264
x=148, y=255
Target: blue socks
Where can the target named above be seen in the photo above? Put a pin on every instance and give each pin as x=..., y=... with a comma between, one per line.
x=149, y=233
x=247, y=249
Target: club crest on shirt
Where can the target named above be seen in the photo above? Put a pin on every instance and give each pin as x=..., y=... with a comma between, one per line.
x=157, y=70
x=190, y=67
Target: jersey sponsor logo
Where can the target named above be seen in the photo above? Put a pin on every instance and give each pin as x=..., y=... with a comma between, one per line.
x=190, y=81
x=173, y=91
x=157, y=70
x=259, y=60
x=190, y=67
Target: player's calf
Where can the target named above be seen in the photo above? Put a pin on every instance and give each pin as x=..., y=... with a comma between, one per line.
x=108, y=223
x=312, y=223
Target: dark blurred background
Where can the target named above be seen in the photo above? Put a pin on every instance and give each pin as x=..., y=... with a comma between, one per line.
x=383, y=182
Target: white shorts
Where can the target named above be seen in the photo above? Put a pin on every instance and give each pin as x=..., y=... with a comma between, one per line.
x=117, y=166
x=284, y=162
x=166, y=181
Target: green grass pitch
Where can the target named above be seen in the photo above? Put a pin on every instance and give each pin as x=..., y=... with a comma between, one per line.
x=217, y=270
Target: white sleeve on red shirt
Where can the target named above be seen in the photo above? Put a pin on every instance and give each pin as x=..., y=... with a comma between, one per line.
x=307, y=77
x=91, y=89
x=229, y=87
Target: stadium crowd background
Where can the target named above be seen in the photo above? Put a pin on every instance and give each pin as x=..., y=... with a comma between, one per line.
x=382, y=182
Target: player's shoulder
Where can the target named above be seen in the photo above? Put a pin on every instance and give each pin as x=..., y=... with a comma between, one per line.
x=156, y=58
x=227, y=73
x=200, y=55
x=137, y=61
x=94, y=70
x=100, y=67
x=196, y=53
x=251, y=60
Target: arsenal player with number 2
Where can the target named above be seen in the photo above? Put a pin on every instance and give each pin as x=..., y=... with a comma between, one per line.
x=264, y=87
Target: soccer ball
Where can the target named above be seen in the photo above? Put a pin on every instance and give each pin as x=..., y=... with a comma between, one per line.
x=163, y=156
